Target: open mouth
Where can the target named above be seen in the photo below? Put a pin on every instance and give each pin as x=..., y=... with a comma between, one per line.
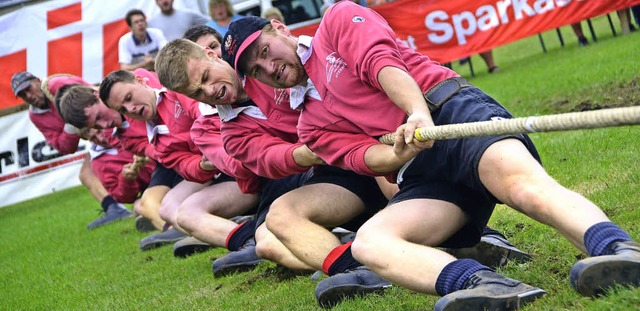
x=280, y=72
x=222, y=93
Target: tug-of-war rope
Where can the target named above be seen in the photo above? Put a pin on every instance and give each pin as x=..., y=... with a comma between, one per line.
x=549, y=123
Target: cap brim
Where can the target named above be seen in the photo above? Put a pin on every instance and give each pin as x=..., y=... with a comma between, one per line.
x=21, y=87
x=250, y=39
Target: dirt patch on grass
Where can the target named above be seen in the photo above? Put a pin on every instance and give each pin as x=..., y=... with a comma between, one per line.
x=601, y=97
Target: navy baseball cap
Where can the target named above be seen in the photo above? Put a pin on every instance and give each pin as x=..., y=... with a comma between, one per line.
x=240, y=35
x=21, y=81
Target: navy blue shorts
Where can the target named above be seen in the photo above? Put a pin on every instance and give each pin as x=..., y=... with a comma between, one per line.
x=163, y=176
x=449, y=170
x=271, y=189
x=365, y=187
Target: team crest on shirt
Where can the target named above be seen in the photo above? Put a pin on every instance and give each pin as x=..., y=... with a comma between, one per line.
x=280, y=95
x=358, y=19
x=334, y=65
x=177, y=110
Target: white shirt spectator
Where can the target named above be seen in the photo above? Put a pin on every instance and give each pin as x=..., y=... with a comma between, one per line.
x=175, y=25
x=131, y=51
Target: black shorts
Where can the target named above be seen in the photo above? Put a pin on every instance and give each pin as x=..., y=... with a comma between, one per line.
x=271, y=189
x=163, y=176
x=449, y=170
x=365, y=187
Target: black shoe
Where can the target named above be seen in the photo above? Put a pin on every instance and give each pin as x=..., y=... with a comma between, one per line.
x=594, y=275
x=487, y=290
x=493, y=250
x=144, y=224
x=114, y=212
x=352, y=283
x=189, y=246
x=582, y=41
x=244, y=259
x=172, y=235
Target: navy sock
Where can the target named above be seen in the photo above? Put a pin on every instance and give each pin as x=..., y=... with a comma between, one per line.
x=240, y=235
x=108, y=200
x=456, y=274
x=340, y=260
x=599, y=238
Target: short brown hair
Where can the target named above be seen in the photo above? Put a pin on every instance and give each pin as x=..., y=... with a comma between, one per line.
x=171, y=63
x=111, y=79
x=72, y=103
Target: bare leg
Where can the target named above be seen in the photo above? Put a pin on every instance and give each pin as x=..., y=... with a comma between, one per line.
x=398, y=232
x=150, y=204
x=488, y=59
x=300, y=218
x=204, y=214
x=515, y=178
x=270, y=248
x=89, y=179
x=625, y=20
x=173, y=199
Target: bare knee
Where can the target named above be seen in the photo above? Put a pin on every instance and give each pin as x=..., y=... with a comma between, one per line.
x=187, y=218
x=366, y=245
x=531, y=197
x=280, y=215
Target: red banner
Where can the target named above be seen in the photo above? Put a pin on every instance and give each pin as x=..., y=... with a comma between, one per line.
x=449, y=30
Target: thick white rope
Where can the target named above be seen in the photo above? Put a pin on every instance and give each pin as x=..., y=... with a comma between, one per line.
x=549, y=123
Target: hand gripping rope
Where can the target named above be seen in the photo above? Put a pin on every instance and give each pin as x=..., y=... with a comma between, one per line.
x=558, y=122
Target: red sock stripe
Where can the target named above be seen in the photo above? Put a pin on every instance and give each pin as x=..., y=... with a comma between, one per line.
x=226, y=243
x=333, y=256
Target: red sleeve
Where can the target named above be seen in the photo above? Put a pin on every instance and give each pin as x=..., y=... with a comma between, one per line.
x=182, y=160
x=261, y=152
x=205, y=133
x=108, y=168
x=53, y=131
x=373, y=41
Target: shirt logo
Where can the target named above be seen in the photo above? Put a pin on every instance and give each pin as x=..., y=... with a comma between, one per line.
x=280, y=95
x=334, y=66
x=177, y=110
x=358, y=19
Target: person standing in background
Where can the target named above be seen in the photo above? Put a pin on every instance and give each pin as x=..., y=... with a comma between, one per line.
x=138, y=48
x=223, y=14
x=174, y=22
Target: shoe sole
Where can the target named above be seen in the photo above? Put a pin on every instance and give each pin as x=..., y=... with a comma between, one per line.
x=144, y=225
x=491, y=255
x=237, y=268
x=594, y=279
x=485, y=303
x=188, y=250
x=158, y=243
x=333, y=296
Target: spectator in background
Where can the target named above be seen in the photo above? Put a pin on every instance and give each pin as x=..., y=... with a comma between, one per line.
x=138, y=48
x=174, y=22
x=205, y=36
x=577, y=29
x=222, y=14
x=64, y=137
x=273, y=13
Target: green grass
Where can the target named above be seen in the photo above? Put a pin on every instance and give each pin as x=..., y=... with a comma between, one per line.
x=49, y=261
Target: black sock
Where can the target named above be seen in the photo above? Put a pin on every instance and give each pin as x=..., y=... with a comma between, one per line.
x=108, y=200
x=340, y=260
x=240, y=235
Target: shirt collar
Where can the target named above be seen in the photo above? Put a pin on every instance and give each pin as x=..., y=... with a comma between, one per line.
x=304, y=48
x=136, y=42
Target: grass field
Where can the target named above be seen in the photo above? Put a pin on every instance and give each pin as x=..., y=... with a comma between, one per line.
x=49, y=261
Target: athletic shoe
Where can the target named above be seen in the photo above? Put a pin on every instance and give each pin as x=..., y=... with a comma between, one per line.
x=189, y=246
x=172, y=235
x=594, y=275
x=352, y=283
x=241, y=260
x=344, y=235
x=582, y=41
x=144, y=224
x=493, y=250
x=114, y=212
x=487, y=290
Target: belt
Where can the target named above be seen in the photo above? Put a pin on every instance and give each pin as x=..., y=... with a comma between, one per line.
x=441, y=92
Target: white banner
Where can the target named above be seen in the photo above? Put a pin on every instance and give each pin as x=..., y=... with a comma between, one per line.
x=28, y=166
